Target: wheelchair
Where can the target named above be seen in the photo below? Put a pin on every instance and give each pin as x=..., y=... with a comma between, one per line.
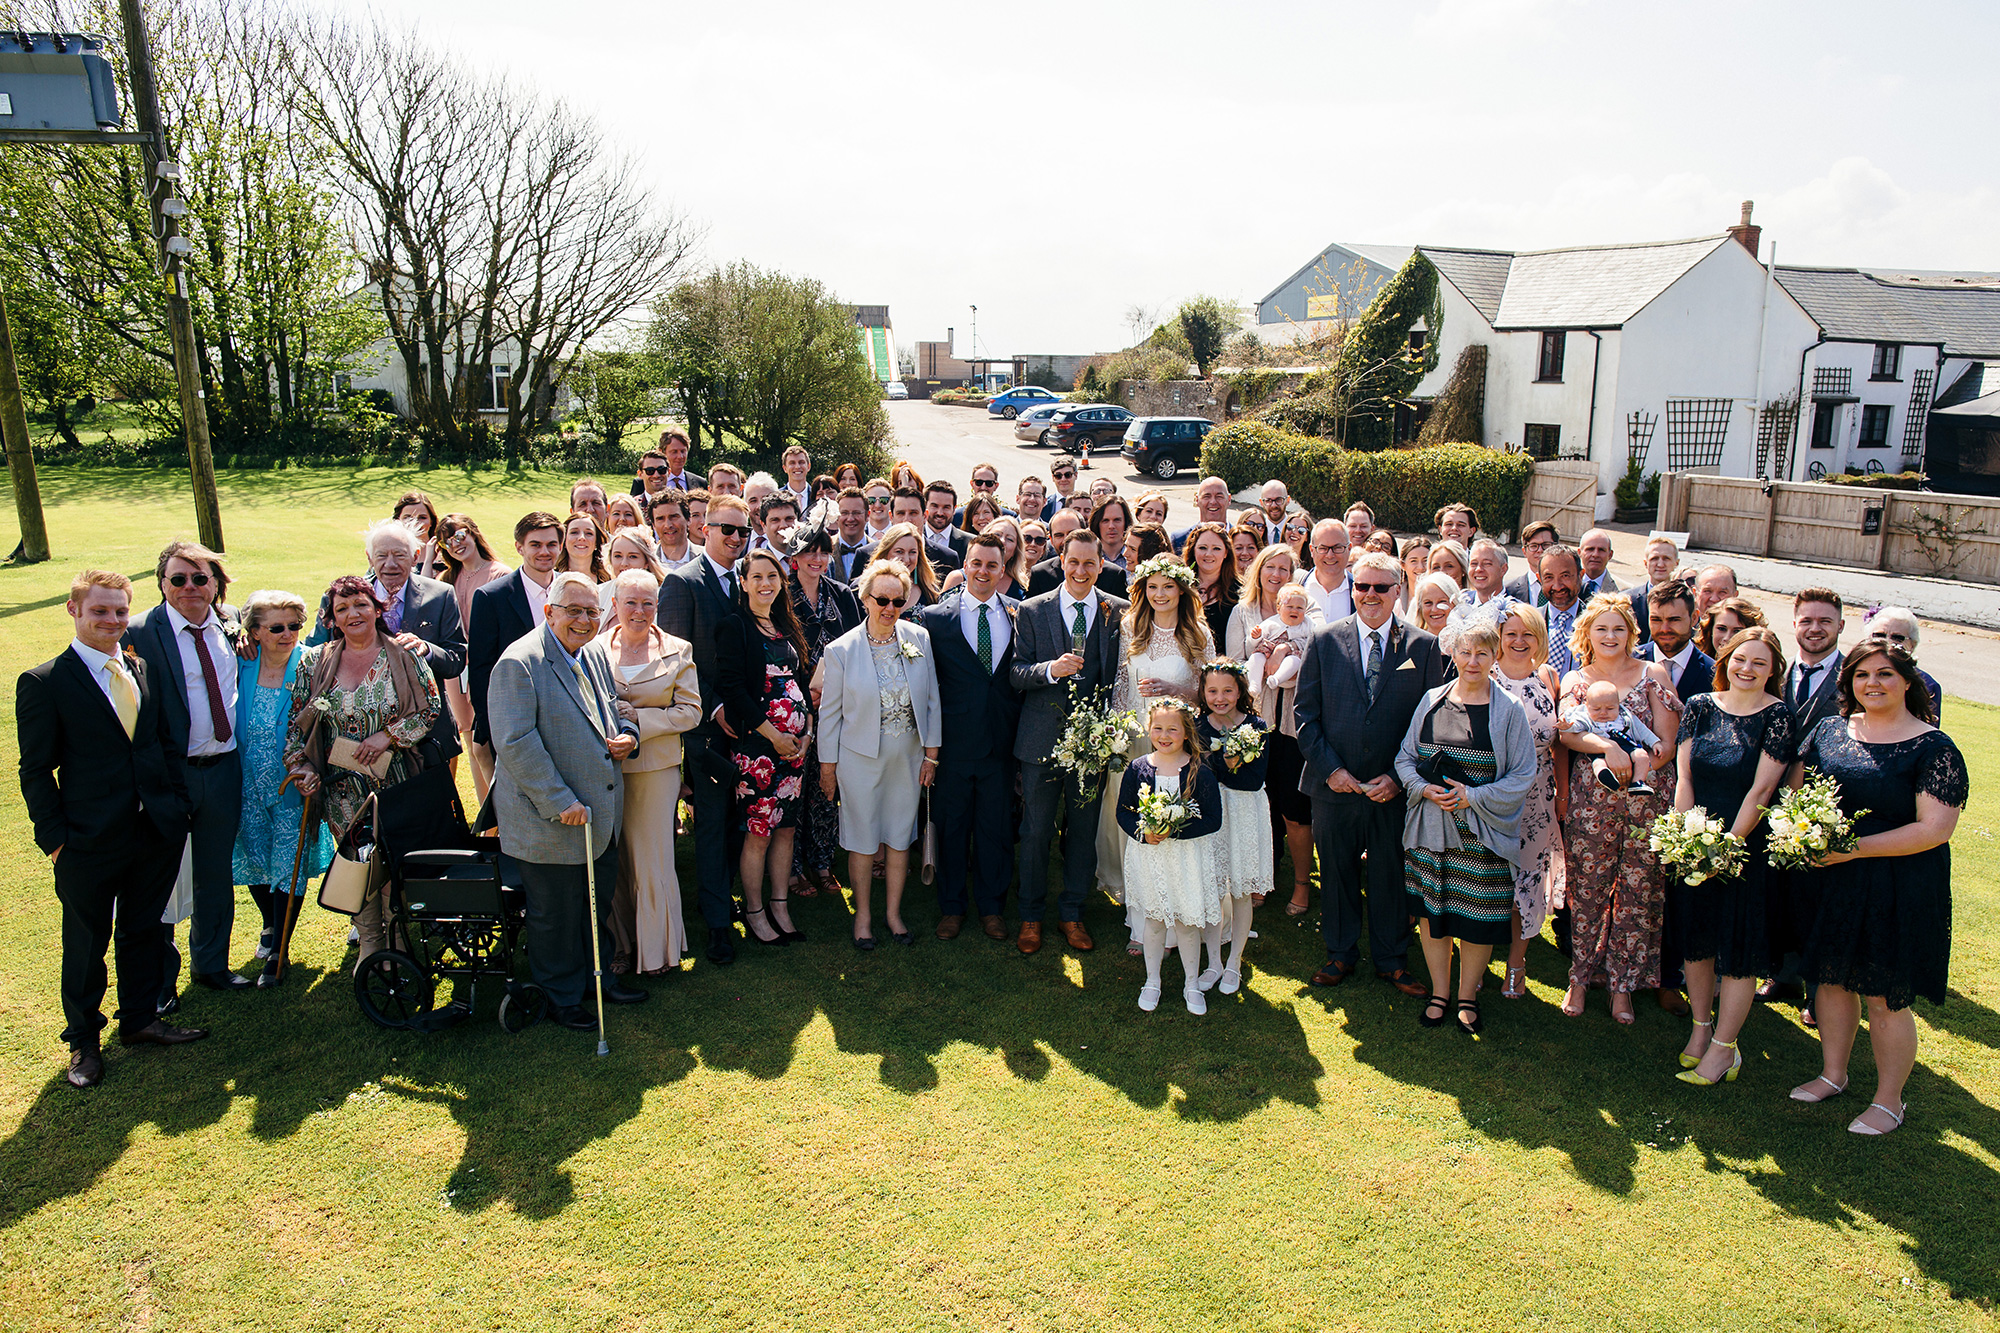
x=449, y=915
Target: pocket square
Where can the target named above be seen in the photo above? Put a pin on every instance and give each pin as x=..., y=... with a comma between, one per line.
x=1406, y=665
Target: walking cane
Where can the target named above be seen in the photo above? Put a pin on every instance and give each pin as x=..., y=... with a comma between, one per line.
x=292, y=898
x=596, y=950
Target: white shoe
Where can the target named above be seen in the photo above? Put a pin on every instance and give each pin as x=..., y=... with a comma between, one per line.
x=1149, y=996
x=1209, y=976
x=1232, y=981
x=1197, y=1003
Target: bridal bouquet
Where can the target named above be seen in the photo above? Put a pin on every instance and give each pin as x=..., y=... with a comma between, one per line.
x=1097, y=737
x=1697, y=845
x=1243, y=744
x=1807, y=824
x=1163, y=814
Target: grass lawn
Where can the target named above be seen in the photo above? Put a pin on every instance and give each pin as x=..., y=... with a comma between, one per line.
x=949, y=1136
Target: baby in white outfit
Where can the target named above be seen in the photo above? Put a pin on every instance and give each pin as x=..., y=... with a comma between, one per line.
x=1295, y=622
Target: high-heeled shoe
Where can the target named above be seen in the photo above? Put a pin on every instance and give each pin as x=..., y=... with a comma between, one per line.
x=777, y=941
x=788, y=936
x=1728, y=1075
x=1690, y=1061
x=1516, y=984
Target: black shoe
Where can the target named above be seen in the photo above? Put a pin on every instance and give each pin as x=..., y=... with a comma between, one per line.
x=903, y=937
x=1607, y=779
x=721, y=945
x=157, y=1033
x=222, y=981
x=576, y=1018
x=777, y=940
x=1475, y=1026
x=1438, y=1002
x=617, y=992
x=788, y=936
x=86, y=1067
x=865, y=943
x=269, y=976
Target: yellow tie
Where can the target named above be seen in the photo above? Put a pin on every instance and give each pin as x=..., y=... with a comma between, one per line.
x=124, y=697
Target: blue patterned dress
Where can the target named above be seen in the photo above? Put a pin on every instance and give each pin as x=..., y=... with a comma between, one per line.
x=267, y=838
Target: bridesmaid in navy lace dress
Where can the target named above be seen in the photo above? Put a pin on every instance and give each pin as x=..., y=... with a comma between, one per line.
x=1735, y=745
x=1883, y=932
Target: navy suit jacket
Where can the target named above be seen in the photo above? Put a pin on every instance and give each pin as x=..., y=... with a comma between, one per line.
x=151, y=636
x=981, y=709
x=1636, y=595
x=500, y=616
x=1040, y=637
x=1338, y=727
x=1825, y=700
x=693, y=606
x=1698, y=678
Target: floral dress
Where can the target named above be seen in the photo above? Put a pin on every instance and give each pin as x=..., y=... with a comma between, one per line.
x=358, y=714
x=768, y=789
x=1538, y=879
x=1616, y=888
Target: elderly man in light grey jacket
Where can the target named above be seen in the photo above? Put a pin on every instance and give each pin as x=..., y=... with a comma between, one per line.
x=558, y=740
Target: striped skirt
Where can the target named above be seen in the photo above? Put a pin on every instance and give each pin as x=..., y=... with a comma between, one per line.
x=1466, y=892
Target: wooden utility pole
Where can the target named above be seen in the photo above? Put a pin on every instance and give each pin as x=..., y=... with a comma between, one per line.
x=180, y=317
x=20, y=457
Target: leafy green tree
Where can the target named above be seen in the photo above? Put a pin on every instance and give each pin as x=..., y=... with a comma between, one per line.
x=1205, y=325
x=617, y=388
x=1377, y=367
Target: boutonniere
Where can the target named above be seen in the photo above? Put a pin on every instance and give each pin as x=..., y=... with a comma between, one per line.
x=910, y=650
x=125, y=651
x=323, y=704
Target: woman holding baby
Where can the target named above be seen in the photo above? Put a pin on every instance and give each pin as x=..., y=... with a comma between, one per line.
x=1614, y=883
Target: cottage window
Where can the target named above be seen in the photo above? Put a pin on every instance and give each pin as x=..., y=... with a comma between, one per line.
x=1549, y=367
x=1541, y=442
x=1874, y=427
x=1888, y=362
x=1823, y=418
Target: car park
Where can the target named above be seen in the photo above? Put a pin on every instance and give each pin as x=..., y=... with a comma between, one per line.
x=1164, y=446
x=1033, y=424
x=1016, y=401
x=1080, y=427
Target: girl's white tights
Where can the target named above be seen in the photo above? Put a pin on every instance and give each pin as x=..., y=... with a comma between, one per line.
x=1186, y=938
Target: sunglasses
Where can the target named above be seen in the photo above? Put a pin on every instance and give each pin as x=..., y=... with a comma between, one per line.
x=657, y=471
x=877, y=501
x=182, y=580
x=897, y=602
x=1064, y=476
x=1375, y=587
x=1027, y=540
x=729, y=529
x=985, y=485
x=291, y=627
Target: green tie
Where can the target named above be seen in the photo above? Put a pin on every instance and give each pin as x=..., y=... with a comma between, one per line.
x=985, y=640
x=1081, y=629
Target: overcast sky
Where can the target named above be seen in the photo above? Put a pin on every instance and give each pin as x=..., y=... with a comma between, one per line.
x=1057, y=163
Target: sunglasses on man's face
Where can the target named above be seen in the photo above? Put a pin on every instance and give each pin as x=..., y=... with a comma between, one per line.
x=897, y=602
x=877, y=501
x=657, y=471
x=985, y=485
x=729, y=529
x=182, y=580
x=1383, y=588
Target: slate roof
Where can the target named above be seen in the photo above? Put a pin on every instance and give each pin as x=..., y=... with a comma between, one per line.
x=1961, y=311
x=1582, y=286
x=1479, y=275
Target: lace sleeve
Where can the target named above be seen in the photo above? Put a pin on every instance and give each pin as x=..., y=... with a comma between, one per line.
x=1781, y=732
x=1941, y=772
x=1124, y=698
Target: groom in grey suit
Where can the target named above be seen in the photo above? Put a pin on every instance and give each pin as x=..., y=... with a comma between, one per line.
x=557, y=744
x=1054, y=677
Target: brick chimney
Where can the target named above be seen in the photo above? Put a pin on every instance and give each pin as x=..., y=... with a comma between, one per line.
x=1746, y=235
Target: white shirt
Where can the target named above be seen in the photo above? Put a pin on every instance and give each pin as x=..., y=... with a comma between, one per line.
x=996, y=621
x=1677, y=663
x=680, y=481
x=939, y=538
x=1534, y=591
x=688, y=552
x=538, y=597
x=723, y=573
x=1820, y=669
x=201, y=724
x=1336, y=603
x=1068, y=605
x=872, y=534
x=1274, y=533
x=100, y=670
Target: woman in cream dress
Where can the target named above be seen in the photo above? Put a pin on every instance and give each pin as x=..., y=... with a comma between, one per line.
x=657, y=689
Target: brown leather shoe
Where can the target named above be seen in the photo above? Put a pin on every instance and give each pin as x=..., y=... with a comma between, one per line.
x=1076, y=936
x=1333, y=973
x=86, y=1067
x=1405, y=983
x=158, y=1033
x=1674, y=1002
x=1030, y=938
x=949, y=926
x=994, y=926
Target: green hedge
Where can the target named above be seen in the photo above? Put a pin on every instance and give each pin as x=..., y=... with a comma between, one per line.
x=1405, y=487
x=1881, y=481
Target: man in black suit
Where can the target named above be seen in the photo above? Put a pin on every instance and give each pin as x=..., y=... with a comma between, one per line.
x=421, y=614
x=188, y=643
x=907, y=506
x=1536, y=539
x=1360, y=685
x=851, y=548
x=109, y=807
x=972, y=636
x=944, y=539
x=1670, y=613
x=1052, y=676
x=695, y=599
x=506, y=609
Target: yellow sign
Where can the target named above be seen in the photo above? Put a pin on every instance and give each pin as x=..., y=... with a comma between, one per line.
x=1325, y=305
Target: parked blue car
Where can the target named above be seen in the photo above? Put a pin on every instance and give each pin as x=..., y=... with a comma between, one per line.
x=1016, y=401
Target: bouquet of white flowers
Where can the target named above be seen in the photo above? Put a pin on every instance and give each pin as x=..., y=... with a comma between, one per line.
x=1807, y=824
x=1243, y=744
x=1163, y=814
x=1097, y=736
x=1698, y=845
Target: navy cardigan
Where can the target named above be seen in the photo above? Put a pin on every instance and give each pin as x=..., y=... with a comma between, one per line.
x=1247, y=777
x=1207, y=798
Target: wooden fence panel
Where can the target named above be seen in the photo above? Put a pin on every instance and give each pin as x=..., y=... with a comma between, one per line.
x=1724, y=513
x=1968, y=515
x=1565, y=494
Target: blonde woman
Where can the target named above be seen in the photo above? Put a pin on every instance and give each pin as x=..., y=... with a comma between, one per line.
x=905, y=545
x=627, y=511
x=1432, y=598
x=628, y=548
x=1449, y=558
x=1269, y=573
x=1524, y=672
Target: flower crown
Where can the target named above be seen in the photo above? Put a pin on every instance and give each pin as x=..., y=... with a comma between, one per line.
x=1171, y=566
x=1189, y=718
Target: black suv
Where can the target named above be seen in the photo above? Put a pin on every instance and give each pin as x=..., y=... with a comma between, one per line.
x=1165, y=445
x=1074, y=430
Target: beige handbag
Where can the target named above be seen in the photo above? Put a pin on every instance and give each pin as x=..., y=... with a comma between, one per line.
x=927, y=866
x=351, y=881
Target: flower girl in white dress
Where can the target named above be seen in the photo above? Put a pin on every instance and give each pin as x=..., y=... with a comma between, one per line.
x=1170, y=806
x=1243, y=851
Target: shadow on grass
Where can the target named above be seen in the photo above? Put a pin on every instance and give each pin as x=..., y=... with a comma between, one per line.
x=1599, y=1093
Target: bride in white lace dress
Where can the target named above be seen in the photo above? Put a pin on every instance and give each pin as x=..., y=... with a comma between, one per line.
x=1167, y=642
